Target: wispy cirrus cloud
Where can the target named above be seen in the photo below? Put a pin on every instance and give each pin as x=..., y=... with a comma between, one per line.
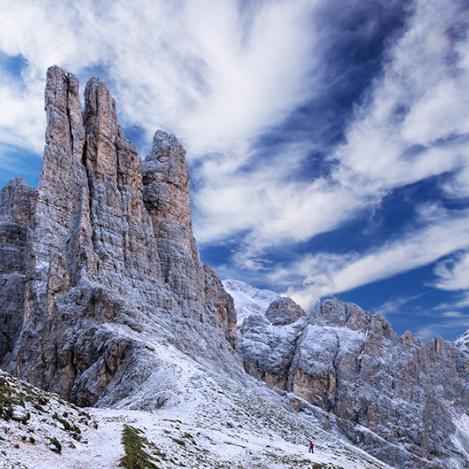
x=411, y=126
x=451, y=325
x=324, y=274
x=414, y=121
x=460, y=302
x=395, y=305
x=237, y=81
x=453, y=273
x=217, y=74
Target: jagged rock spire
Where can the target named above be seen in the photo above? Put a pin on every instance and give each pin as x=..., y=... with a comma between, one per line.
x=104, y=249
x=122, y=233
x=166, y=195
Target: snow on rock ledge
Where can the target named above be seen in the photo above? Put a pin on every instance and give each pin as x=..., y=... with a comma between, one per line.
x=248, y=300
x=463, y=342
x=394, y=396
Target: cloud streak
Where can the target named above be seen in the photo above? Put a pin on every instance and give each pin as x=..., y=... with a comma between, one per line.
x=230, y=78
x=325, y=274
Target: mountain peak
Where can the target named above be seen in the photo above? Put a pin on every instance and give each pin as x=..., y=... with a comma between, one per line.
x=463, y=342
x=111, y=256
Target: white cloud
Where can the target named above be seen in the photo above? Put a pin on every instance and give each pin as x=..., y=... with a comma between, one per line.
x=212, y=72
x=453, y=314
x=453, y=274
x=323, y=277
x=406, y=131
x=22, y=119
x=420, y=99
x=219, y=76
x=458, y=186
x=274, y=206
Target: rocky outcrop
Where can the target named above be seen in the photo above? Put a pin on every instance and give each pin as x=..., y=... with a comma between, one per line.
x=283, y=311
x=398, y=398
x=17, y=202
x=267, y=341
x=110, y=262
x=267, y=350
x=351, y=362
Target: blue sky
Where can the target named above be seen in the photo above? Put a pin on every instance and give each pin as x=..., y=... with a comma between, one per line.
x=328, y=140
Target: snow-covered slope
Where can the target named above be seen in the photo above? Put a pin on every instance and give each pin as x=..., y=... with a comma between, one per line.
x=37, y=427
x=248, y=300
x=205, y=421
x=463, y=342
x=182, y=411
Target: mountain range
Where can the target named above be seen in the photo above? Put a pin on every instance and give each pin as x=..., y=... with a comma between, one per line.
x=120, y=347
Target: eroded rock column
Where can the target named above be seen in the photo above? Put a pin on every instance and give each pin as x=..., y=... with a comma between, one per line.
x=17, y=202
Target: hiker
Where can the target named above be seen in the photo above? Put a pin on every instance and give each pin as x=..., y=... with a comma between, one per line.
x=311, y=447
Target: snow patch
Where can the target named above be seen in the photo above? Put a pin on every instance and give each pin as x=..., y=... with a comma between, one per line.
x=248, y=300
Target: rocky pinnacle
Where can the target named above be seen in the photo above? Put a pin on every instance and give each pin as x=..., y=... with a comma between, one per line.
x=107, y=255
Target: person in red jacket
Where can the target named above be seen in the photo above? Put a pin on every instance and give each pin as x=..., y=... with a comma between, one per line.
x=311, y=446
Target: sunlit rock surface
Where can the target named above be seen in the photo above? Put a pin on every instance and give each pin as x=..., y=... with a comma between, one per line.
x=400, y=399
x=110, y=258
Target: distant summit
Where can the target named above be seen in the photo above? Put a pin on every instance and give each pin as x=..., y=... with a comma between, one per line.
x=463, y=342
x=400, y=399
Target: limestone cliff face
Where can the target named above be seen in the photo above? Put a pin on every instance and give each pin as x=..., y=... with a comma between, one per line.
x=352, y=364
x=110, y=259
x=17, y=202
x=166, y=196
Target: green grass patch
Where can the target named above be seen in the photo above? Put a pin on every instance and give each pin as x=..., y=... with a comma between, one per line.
x=69, y=427
x=179, y=442
x=56, y=446
x=136, y=450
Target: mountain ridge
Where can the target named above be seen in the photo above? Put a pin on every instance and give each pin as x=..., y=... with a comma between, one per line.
x=351, y=362
x=105, y=301
x=96, y=250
